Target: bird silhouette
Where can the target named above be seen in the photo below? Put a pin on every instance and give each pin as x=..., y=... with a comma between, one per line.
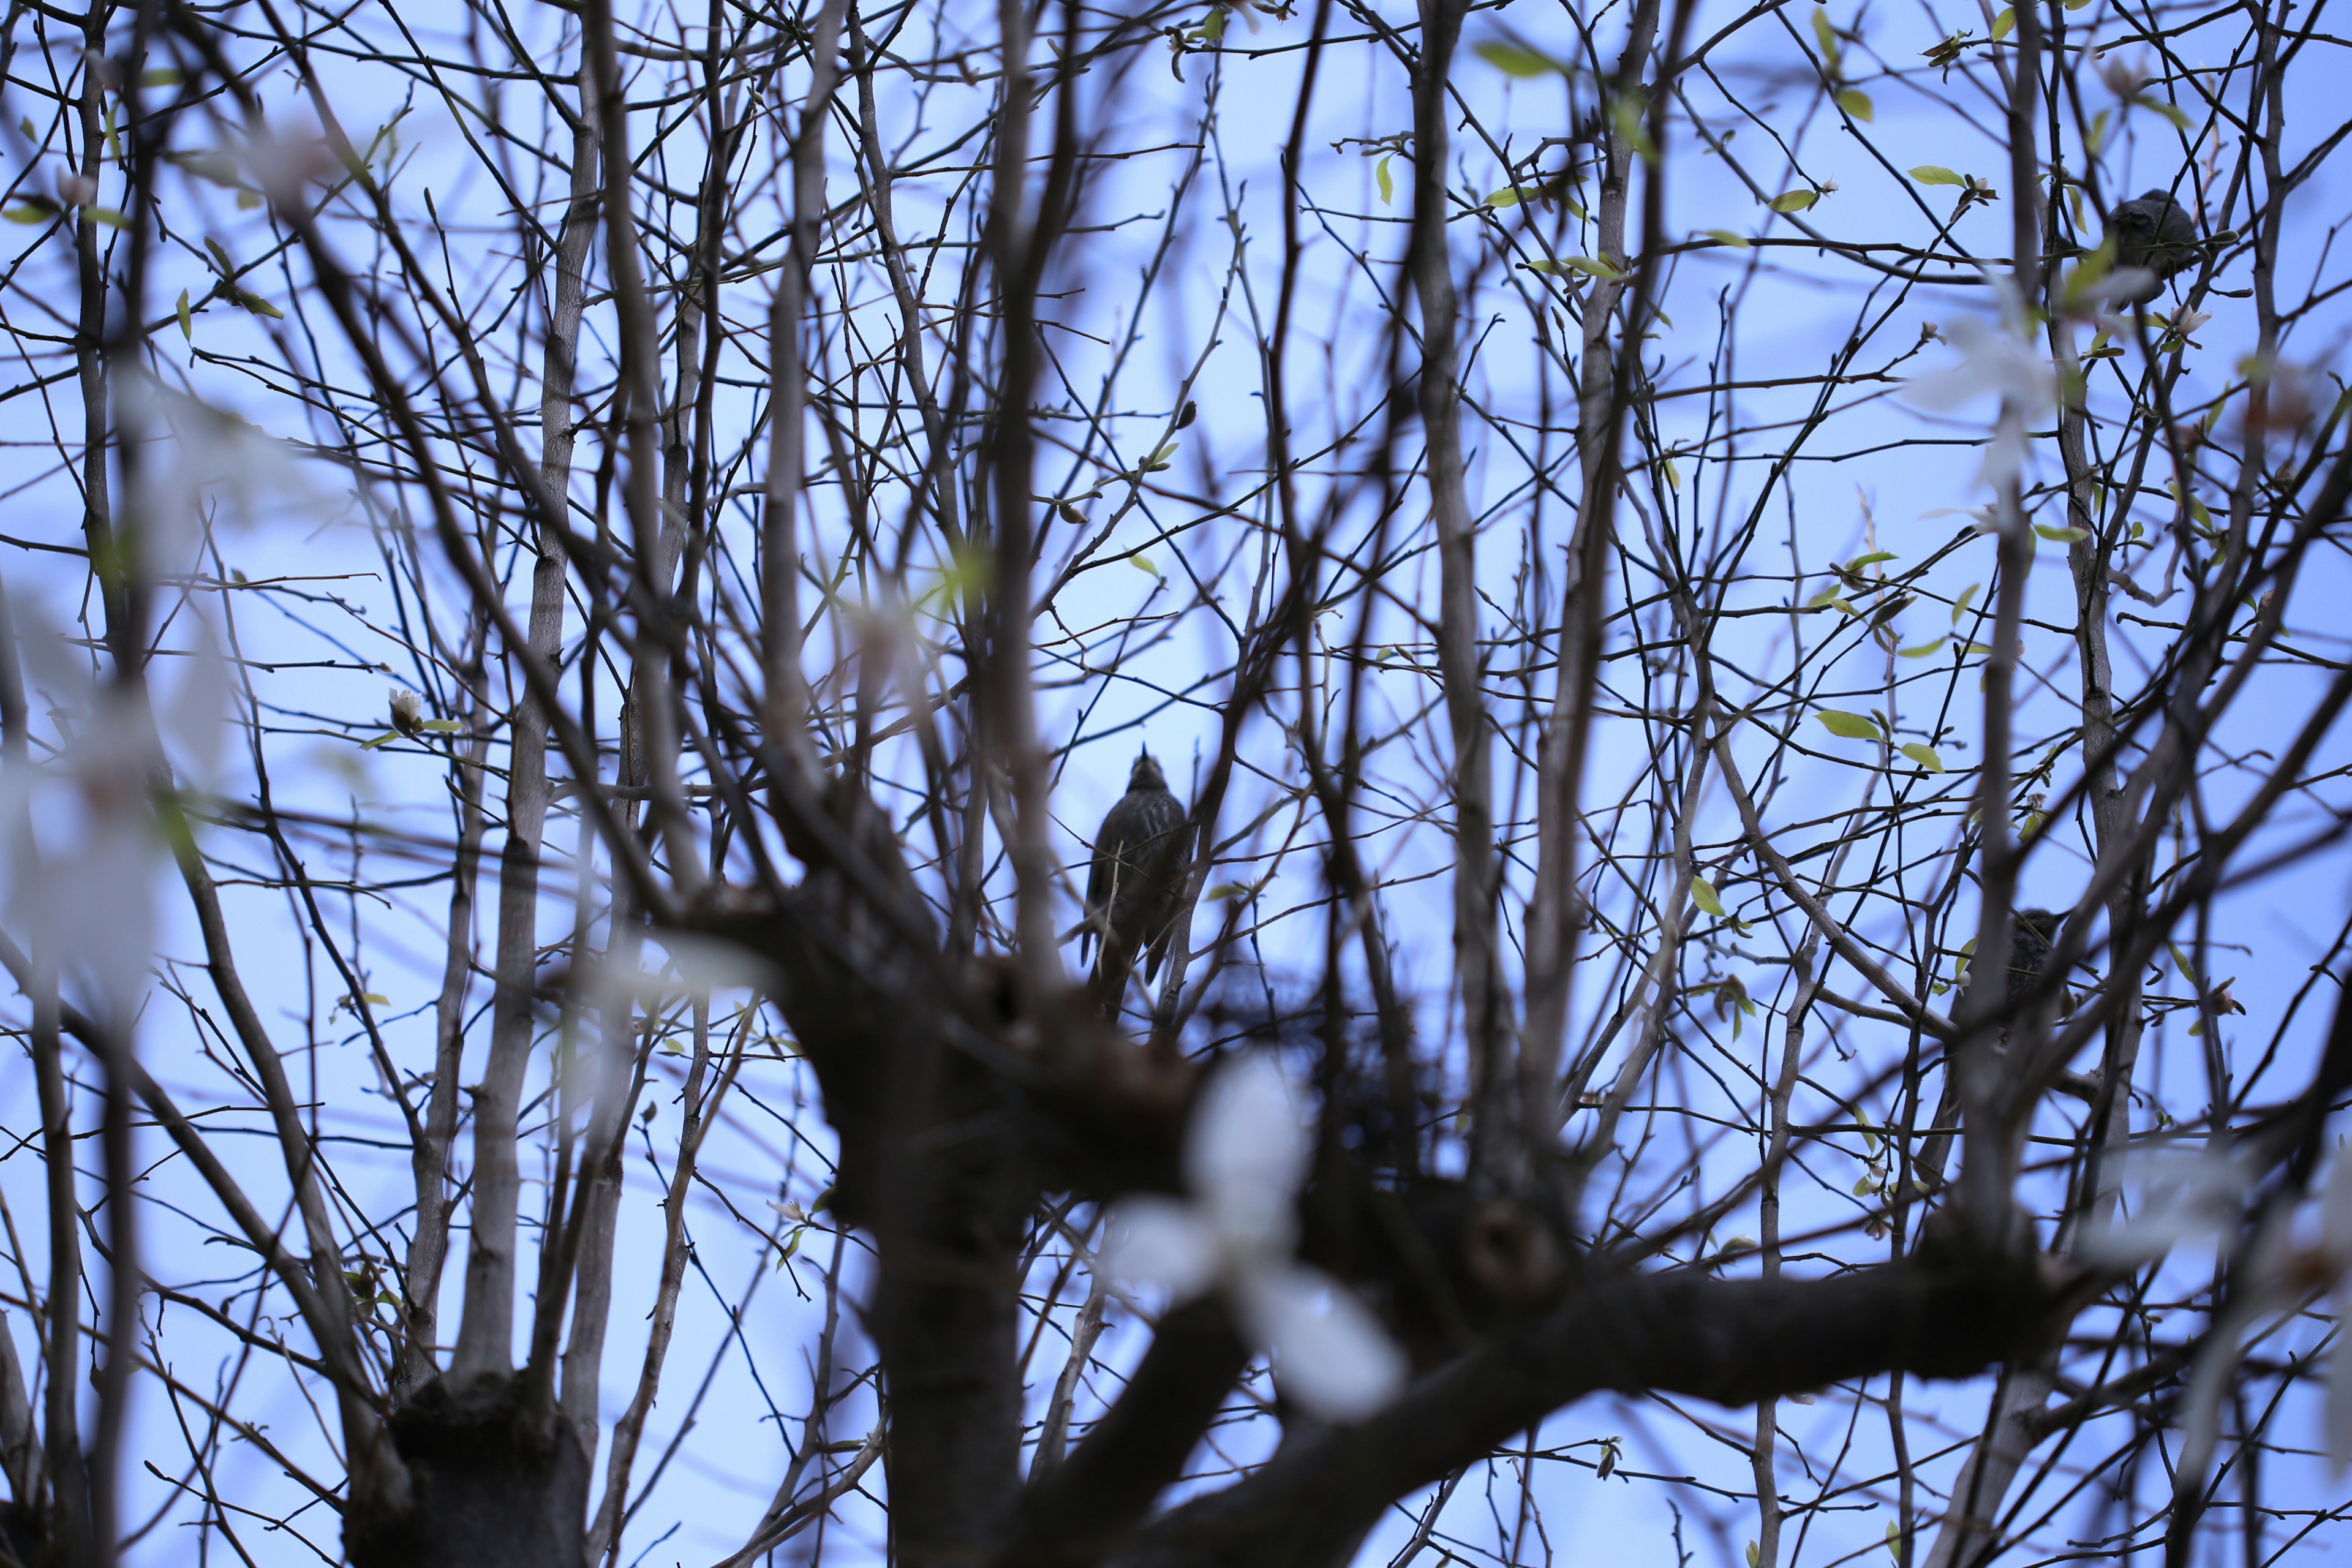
x=2030, y=942
x=2154, y=232
x=1133, y=892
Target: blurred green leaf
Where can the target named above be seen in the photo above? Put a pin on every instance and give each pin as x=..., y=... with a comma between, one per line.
x=1724, y=236
x=1513, y=60
x=1848, y=726
x=1936, y=174
x=1857, y=104
x=1794, y=201
x=187, y=322
x=2003, y=24
x=1380, y=178
x=1924, y=755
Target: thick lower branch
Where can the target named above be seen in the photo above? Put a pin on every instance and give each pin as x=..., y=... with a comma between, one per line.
x=1942, y=1314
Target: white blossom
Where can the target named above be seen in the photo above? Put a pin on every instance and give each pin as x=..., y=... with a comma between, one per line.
x=1998, y=358
x=1246, y=1159
x=2188, y=1196
x=81, y=842
x=2336, y=1246
x=2182, y=1195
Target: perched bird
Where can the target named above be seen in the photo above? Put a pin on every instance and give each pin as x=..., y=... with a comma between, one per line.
x=2152, y=232
x=2030, y=942
x=1141, y=854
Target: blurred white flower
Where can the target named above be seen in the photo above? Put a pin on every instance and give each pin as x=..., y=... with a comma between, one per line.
x=2336, y=1243
x=2000, y=359
x=1245, y=1158
x=2195, y=1194
x=2181, y=1196
x=81, y=841
x=202, y=464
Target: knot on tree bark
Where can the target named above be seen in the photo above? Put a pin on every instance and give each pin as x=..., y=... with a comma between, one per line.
x=493, y=1482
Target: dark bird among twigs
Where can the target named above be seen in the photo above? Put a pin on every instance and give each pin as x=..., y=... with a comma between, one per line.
x=1136, y=886
x=2030, y=942
x=2154, y=232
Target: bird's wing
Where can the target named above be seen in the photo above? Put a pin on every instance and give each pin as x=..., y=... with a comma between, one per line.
x=1102, y=876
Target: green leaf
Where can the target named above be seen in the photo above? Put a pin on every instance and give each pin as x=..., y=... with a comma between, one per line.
x=1593, y=266
x=1961, y=605
x=1674, y=475
x=1925, y=650
x=1724, y=236
x=1704, y=896
x=1380, y=178
x=442, y=726
x=1936, y=174
x=106, y=215
x=1142, y=565
x=1826, y=35
x=1160, y=458
x=259, y=306
x=2061, y=535
x=26, y=215
x=2172, y=111
x=187, y=322
x=1509, y=196
x=1893, y=1530
x=1513, y=60
x=169, y=75
x=1849, y=726
x=1924, y=755
x=2003, y=23
x=1751, y=1554
x=1873, y=559
x=1214, y=30
x=1794, y=201
x=1857, y=104
x=25, y=125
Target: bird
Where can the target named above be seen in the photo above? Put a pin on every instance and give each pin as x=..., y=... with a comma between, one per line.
x=1133, y=890
x=2154, y=232
x=2030, y=942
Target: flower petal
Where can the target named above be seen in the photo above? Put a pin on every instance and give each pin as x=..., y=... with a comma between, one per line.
x=1155, y=1241
x=1246, y=1154
x=2339, y=1383
x=2182, y=1195
x=1331, y=1354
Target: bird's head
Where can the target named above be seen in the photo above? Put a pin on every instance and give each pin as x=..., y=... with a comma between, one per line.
x=1146, y=774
